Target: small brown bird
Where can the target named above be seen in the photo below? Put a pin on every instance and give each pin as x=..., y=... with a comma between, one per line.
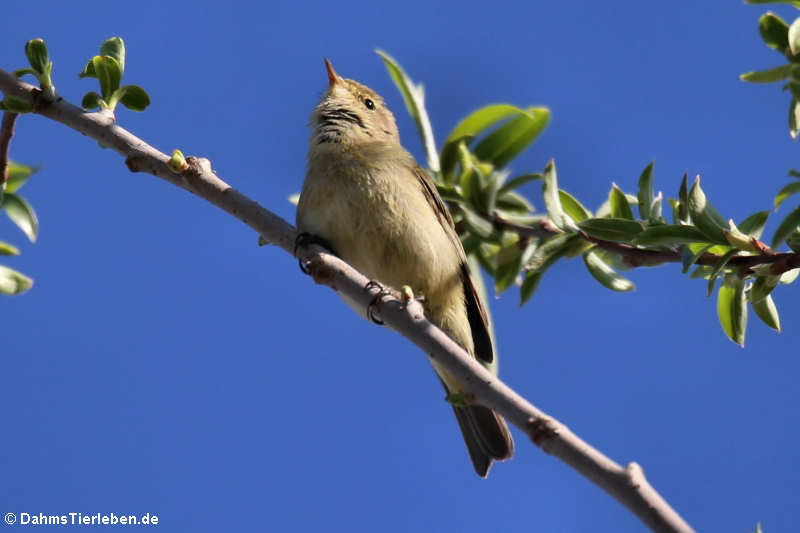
x=379, y=211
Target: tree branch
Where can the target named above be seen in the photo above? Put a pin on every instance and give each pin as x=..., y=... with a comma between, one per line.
x=6, y=132
x=627, y=485
x=636, y=257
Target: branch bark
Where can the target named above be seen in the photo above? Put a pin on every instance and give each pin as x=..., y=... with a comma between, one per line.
x=626, y=484
x=6, y=132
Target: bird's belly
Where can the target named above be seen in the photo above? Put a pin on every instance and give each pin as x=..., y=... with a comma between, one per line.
x=390, y=236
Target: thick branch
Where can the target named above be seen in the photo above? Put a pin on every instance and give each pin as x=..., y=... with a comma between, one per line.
x=627, y=485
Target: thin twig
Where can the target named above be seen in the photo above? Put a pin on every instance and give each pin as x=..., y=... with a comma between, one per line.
x=637, y=257
x=6, y=132
x=407, y=317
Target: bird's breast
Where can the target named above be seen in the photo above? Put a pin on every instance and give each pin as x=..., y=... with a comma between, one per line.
x=372, y=210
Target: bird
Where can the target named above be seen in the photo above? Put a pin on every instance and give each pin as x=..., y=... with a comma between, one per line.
x=366, y=199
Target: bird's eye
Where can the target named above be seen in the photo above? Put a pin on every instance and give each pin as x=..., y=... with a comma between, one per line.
x=370, y=104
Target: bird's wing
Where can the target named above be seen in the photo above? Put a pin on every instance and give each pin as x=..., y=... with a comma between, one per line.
x=476, y=312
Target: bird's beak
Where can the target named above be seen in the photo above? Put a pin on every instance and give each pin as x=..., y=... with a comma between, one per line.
x=332, y=76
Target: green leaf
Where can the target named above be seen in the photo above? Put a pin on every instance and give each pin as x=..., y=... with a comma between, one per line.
x=705, y=217
x=36, y=51
x=702, y=271
x=675, y=205
x=689, y=258
x=13, y=282
x=414, y=98
x=133, y=97
x=15, y=105
x=509, y=263
x=731, y=308
x=509, y=140
x=768, y=76
x=794, y=241
x=717, y=249
x=88, y=71
x=739, y=240
x=774, y=31
x=450, y=194
x=754, y=224
x=794, y=117
x=620, y=208
x=552, y=200
x=21, y=72
x=22, y=214
x=522, y=219
x=683, y=199
x=477, y=121
x=655, y=208
x=542, y=258
x=786, y=228
x=484, y=254
x=795, y=3
x=114, y=47
x=529, y=285
x=8, y=249
x=718, y=268
x=470, y=242
x=720, y=264
x=611, y=229
x=573, y=207
x=669, y=235
x=108, y=73
x=489, y=192
x=794, y=36
x=471, y=182
x=768, y=313
x=783, y=194
x=470, y=127
x=17, y=175
x=645, y=193
x=510, y=259
x=477, y=224
x=514, y=202
x=790, y=275
x=91, y=100
x=606, y=275
x=550, y=250
x=762, y=286
x=518, y=181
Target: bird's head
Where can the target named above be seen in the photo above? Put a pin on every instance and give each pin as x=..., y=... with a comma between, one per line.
x=351, y=113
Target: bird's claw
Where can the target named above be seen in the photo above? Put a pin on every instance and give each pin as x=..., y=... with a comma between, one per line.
x=304, y=239
x=382, y=291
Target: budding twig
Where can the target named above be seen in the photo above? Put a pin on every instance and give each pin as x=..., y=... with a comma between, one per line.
x=637, y=257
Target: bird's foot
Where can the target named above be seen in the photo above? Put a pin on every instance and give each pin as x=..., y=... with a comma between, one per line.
x=306, y=239
x=381, y=291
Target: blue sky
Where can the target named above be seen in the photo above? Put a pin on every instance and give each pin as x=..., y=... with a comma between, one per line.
x=164, y=363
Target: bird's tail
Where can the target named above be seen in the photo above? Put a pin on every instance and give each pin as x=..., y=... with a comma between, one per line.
x=486, y=435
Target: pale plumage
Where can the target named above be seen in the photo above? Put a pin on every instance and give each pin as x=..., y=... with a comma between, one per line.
x=366, y=196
